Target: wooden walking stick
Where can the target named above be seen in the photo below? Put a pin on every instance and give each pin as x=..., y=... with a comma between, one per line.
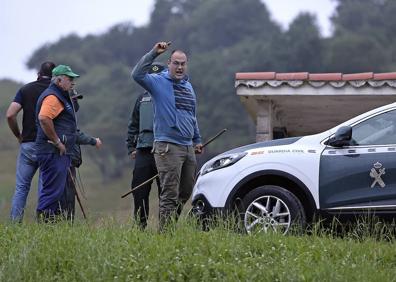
x=155, y=176
x=77, y=196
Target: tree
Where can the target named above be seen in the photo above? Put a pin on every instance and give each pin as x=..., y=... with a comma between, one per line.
x=363, y=36
x=221, y=38
x=304, y=45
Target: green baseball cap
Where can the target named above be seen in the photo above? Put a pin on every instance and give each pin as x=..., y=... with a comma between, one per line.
x=63, y=70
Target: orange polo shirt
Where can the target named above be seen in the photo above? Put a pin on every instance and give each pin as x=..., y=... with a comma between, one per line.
x=51, y=107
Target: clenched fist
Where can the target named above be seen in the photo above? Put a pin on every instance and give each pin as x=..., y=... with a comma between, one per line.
x=161, y=47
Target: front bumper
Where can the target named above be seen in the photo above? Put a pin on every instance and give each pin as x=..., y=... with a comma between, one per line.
x=202, y=209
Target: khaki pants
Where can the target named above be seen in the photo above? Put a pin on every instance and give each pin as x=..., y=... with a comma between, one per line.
x=176, y=165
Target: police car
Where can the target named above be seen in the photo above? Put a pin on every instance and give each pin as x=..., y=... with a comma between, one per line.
x=349, y=169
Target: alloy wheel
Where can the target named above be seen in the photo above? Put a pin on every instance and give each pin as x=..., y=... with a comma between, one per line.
x=267, y=214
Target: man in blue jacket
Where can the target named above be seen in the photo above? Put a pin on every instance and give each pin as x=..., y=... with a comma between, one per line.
x=176, y=133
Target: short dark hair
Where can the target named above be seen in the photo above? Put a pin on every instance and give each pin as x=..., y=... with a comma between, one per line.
x=177, y=50
x=46, y=69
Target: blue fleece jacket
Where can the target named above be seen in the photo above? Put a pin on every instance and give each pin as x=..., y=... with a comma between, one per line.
x=174, y=104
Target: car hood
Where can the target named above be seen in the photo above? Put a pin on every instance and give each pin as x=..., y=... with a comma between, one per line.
x=270, y=143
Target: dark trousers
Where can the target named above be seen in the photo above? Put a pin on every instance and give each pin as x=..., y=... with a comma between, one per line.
x=53, y=169
x=144, y=169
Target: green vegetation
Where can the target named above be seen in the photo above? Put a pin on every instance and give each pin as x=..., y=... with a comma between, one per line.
x=221, y=38
x=99, y=199
x=110, y=251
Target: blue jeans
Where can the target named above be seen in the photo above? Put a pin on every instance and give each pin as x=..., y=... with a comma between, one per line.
x=26, y=168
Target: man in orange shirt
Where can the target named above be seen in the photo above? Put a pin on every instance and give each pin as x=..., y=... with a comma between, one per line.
x=56, y=135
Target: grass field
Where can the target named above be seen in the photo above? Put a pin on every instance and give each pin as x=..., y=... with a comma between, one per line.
x=110, y=248
x=112, y=251
x=100, y=200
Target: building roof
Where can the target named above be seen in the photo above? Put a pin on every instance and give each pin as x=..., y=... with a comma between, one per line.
x=296, y=79
x=307, y=103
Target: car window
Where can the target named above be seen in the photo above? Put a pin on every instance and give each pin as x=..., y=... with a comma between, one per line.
x=378, y=130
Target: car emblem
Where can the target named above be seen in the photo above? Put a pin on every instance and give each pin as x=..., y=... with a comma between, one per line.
x=376, y=172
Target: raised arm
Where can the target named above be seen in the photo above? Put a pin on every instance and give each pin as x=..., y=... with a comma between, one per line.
x=140, y=71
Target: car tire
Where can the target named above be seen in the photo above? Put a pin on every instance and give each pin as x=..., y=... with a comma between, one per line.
x=272, y=208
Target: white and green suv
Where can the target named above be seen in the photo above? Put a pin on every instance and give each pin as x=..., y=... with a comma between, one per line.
x=349, y=169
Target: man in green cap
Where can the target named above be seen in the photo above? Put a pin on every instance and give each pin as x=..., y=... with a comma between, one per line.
x=56, y=135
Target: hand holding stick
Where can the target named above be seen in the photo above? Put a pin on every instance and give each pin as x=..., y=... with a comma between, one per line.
x=161, y=47
x=155, y=176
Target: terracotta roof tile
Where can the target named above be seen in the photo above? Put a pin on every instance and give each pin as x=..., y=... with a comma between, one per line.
x=255, y=75
x=325, y=76
x=385, y=76
x=314, y=76
x=358, y=76
x=292, y=76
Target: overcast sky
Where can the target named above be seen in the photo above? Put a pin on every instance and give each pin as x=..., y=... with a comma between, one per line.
x=25, y=25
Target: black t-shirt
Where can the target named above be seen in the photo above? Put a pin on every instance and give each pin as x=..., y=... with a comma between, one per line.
x=27, y=97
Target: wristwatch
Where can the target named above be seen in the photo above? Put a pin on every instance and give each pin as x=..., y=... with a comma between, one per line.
x=57, y=142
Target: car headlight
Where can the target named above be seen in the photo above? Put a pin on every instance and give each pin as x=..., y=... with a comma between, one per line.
x=223, y=162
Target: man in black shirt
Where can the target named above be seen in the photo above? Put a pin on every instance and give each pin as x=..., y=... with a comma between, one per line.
x=26, y=100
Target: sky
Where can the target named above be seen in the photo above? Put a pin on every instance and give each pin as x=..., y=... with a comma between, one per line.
x=26, y=25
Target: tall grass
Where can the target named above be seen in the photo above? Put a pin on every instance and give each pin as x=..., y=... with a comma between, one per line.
x=111, y=251
x=99, y=199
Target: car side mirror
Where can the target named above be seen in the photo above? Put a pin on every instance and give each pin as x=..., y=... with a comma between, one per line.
x=342, y=137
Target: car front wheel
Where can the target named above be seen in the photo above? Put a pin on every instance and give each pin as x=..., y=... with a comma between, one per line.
x=272, y=209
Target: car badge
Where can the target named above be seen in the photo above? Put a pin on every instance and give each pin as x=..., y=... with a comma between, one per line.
x=376, y=172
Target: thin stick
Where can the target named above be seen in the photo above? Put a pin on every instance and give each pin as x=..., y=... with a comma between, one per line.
x=140, y=185
x=214, y=137
x=155, y=176
x=77, y=196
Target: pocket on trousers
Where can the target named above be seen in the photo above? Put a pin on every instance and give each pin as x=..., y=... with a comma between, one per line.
x=161, y=148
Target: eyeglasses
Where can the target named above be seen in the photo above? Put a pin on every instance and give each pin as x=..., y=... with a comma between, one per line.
x=177, y=64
